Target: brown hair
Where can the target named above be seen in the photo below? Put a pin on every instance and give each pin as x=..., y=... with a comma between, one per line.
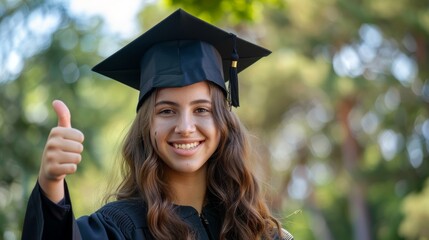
x=229, y=178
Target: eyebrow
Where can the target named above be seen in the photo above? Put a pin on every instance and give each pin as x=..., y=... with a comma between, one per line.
x=198, y=101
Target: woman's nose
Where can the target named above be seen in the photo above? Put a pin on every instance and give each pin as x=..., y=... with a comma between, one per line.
x=185, y=124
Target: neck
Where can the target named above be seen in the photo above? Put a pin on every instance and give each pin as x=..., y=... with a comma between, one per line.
x=189, y=189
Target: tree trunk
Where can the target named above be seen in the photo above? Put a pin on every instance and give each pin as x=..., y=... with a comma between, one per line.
x=351, y=155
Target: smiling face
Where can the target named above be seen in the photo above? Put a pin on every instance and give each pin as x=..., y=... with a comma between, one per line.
x=184, y=133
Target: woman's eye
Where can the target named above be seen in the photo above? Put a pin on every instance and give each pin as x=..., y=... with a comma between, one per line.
x=202, y=110
x=166, y=111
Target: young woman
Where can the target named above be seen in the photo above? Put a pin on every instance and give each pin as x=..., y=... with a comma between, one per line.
x=185, y=155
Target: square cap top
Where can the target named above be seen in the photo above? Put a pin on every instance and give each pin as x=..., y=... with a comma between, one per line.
x=126, y=66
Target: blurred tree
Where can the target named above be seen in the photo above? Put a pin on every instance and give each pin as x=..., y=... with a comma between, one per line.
x=342, y=105
x=416, y=210
x=46, y=54
x=361, y=119
x=232, y=11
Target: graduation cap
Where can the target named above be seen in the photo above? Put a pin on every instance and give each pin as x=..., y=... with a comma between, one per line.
x=179, y=51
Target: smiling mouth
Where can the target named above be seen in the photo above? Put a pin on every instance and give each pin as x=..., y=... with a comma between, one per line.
x=186, y=146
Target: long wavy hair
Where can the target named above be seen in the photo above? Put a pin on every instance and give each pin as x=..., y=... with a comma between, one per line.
x=229, y=178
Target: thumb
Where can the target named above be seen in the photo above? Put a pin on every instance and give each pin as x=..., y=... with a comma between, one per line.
x=63, y=113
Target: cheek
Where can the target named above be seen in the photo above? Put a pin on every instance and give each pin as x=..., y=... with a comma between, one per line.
x=159, y=129
x=210, y=128
x=156, y=136
x=163, y=124
x=154, y=133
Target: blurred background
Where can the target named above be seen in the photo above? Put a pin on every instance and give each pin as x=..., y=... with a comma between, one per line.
x=339, y=110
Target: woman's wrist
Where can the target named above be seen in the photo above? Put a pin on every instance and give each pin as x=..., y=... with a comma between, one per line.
x=52, y=189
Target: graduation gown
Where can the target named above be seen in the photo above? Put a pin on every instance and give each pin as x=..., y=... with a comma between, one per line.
x=123, y=219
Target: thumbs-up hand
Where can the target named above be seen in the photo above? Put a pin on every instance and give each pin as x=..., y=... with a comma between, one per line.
x=61, y=155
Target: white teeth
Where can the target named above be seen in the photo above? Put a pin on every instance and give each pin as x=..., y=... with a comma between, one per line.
x=186, y=146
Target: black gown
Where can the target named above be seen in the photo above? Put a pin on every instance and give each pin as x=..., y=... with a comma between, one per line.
x=124, y=219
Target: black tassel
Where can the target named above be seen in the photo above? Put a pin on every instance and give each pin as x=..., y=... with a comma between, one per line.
x=233, y=76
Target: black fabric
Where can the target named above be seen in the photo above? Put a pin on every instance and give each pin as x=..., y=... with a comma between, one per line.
x=125, y=219
x=33, y=222
x=62, y=212
x=124, y=65
x=40, y=208
x=179, y=63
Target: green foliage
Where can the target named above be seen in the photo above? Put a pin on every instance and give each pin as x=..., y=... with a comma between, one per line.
x=416, y=210
x=56, y=65
x=233, y=11
x=328, y=128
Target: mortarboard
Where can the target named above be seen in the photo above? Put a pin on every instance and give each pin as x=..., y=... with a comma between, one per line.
x=178, y=51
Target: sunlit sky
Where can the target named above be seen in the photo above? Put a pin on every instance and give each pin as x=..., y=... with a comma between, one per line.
x=119, y=15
